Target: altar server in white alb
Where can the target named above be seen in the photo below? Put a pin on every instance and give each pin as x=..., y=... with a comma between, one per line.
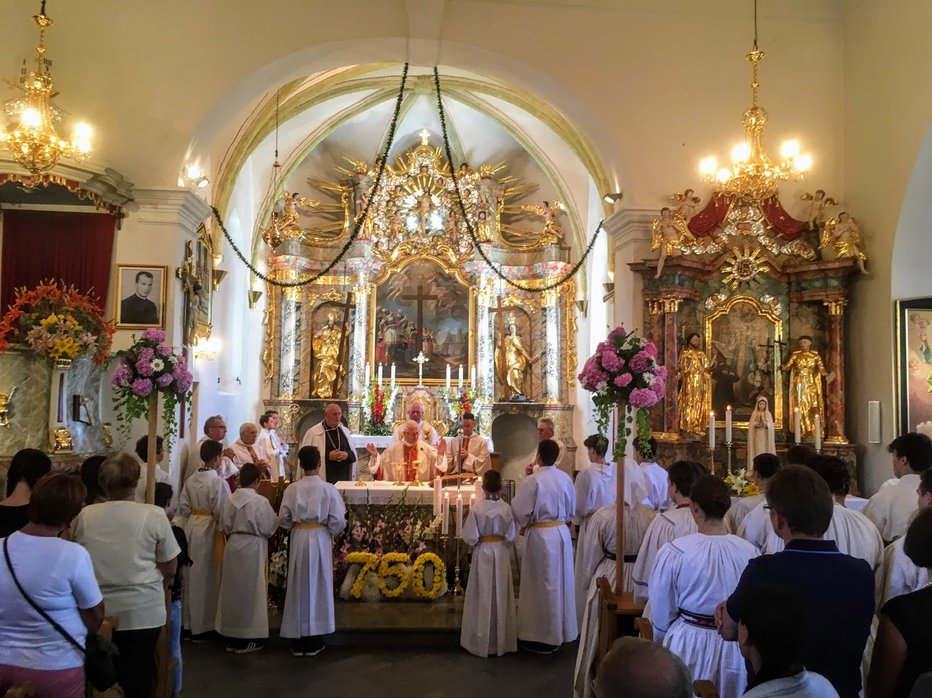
x=546, y=600
x=691, y=576
x=426, y=431
x=764, y=466
x=332, y=440
x=200, y=506
x=468, y=452
x=891, y=508
x=898, y=574
x=270, y=444
x=313, y=511
x=669, y=525
x=489, y=621
x=404, y=460
x=248, y=521
x=658, y=494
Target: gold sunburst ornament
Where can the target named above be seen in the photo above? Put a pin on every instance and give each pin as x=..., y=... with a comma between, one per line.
x=743, y=266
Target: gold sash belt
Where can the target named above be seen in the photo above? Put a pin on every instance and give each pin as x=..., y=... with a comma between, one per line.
x=220, y=542
x=491, y=539
x=309, y=524
x=201, y=512
x=546, y=524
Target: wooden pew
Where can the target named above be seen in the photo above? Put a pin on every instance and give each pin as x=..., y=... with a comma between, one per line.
x=617, y=614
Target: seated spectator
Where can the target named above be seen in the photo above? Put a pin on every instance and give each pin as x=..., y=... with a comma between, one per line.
x=636, y=667
x=772, y=635
x=26, y=467
x=903, y=649
x=90, y=472
x=133, y=551
x=838, y=588
x=798, y=454
x=59, y=579
x=892, y=507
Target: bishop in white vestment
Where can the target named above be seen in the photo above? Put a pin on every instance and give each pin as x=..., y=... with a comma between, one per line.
x=543, y=507
x=335, y=445
x=313, y=511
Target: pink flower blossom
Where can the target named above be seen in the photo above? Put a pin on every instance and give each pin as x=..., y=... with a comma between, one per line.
x=157, y=336
x=617, y=333
x=623, y=380
x=144, y=367
x=611, y=362
x=642, y=397
x=650, y=349
x=640, y=362
x=164, y=380
x=146, y=354
x=142, y=387
x=165, y=350
x=662, y=372
x=659, y=387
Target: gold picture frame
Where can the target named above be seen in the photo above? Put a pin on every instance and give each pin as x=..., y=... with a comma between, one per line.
x=913, y=364
x=133, y=306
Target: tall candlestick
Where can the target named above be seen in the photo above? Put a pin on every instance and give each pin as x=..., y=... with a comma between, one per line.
x=459, y=383
x=818, y=434
x=448, y=376
x=796, y=425
x=393, y=376
x=728, y=424
x=438, y=500
x=712, y=431
x=380, y=375
x=479, y=493
x=445, y=524
x=472, y=376
x=366, y=374
x=459, y=516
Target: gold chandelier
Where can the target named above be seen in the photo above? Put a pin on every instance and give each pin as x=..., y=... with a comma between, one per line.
x=31, y=117
x=753, y=175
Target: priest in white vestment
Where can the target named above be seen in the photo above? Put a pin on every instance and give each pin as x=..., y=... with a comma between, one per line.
x=764, y=467
x=248, y=521
x=468, y=452
x=215, y=429
x=200, y=506
x=246, y=450
x=313, y=511
x=898, y=574
x=655, y=476
x=489, y=620
x=546, y=430
x=667, y=526
x=271, y=446
x=543, y=507
x=333, y=441
x=691, y=576
x=892, y=508
x=426, y=432
x=402, y=461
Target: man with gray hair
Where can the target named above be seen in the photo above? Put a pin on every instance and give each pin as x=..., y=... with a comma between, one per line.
x=246, y=450
x=215, y=429
x=634, y=666
x=545, y=430
x=407, y=460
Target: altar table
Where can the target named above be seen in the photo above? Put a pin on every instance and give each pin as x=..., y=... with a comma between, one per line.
x=381, y=493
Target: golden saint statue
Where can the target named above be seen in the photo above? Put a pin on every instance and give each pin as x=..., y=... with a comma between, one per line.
x=512, y=362
x=326, y=347
x=844, y=235
x=695, y=396
x=806, y=371
x=669, y=235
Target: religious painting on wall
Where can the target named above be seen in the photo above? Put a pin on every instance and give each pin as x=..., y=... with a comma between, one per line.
x=421, y=309
x=140, y=296
x=330, y=348
x=740, y=340
x=914, y=365
x=204, y=265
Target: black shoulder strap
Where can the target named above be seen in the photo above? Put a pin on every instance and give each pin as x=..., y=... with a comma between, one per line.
x=64, y=633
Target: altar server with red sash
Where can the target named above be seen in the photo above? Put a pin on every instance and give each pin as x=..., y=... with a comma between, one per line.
x=489, y=622
x=200, y=505
x=546, y=601
x=248, y=521
x=409, y=459
x=313, y=511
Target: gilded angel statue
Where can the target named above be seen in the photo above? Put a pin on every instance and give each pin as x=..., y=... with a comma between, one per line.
x=844, y=235
x=552, y=233
x=290, y=205
x=688, y=204
x=670, y=236
x=815, y=211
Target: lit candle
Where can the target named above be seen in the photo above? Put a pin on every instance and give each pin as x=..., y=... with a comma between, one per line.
x=479, y=494
x=796, y=425
x=438, y=500
x=818, y=434
x=472, y=376
x=459, y=383
x=728, y=424
x=448, y=376
x=393, y=376
x=712, y=431
x=380, y=375
x=459, y=516
x=445, y=524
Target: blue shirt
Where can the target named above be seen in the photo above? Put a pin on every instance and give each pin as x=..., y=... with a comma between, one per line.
x=839, y=590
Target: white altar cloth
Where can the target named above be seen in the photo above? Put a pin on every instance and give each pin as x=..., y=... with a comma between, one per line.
x=383, y=442
x=379, y=492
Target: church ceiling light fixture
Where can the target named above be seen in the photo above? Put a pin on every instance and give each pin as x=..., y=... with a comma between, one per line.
x=752, y=174
x=30, y=132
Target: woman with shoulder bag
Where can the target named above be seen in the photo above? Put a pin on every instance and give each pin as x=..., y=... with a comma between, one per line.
x=59, y=579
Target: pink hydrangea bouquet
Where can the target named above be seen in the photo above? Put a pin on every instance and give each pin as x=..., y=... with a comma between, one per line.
x=624, y=371
x=150, y=365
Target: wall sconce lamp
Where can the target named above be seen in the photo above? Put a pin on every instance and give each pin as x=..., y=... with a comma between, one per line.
x=218, y=275
x=612, y=198
x=207, y=348
x=254, y=297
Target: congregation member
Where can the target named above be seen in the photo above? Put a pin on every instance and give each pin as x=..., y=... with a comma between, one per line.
x=407, y=459
x=333, y=441
x=163, y=497
x=90, y=473
x=853, y=533
x=546, y=600
x=898, y=574
x=425, y=431
x=773, y=634
x=891, y=507
x=763, y=467
x=246, y=450
x=248, y=521
x=489, y=621
x=903, y=649
x=546, y=430
x=59, y=578
x=691, y=575
x=142, y=453
x=838, y=589
x=200, y=506
x=134, y=553
x=669, y=525
x=658, y=497
x=798, y=454
x=634, y=666
x=271, y=444
x=27, y=467
x=215, y=429
x=468, y=452
x=313, y=511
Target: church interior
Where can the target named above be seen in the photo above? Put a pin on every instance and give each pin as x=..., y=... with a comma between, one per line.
x=320, y=224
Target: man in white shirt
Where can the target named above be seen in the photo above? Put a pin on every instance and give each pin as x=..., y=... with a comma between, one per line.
x=408, y=460
x=545, y=430
x=270, y=445
x=426, y=431
x=765, y=466
x=332, y=440
x=245, y=450
x=215, y=429
x=898, y=574
x=655, y=475
x=468, y=452
x=142, y=452
x=892, y=507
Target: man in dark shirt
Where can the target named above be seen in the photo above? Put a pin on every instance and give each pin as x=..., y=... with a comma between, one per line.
x=838, y=588
x=137, y=309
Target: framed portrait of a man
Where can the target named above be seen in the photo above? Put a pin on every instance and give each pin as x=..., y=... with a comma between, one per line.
x=140, y=296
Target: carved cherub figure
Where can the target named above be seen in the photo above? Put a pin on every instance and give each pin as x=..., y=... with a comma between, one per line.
x=815, y=211
x=549, y=210
x=5, y=400
x=670, y=236
x=844, y=235
x=688, y=204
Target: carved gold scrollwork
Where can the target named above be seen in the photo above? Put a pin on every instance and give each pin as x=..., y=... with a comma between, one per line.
x=836, y=307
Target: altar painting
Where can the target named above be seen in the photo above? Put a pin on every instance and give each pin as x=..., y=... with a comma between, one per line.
x=740, y=338
x=914, y=365
x=422, y=307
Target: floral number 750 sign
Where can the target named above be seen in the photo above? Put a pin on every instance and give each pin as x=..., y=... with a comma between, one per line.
x=395, y=566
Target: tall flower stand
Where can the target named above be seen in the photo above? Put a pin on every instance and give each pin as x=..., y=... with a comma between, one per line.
x=151, y=452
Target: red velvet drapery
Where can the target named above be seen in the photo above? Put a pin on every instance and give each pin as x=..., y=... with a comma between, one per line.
x=709, y=218
x=74, y=247
x=788, y=227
